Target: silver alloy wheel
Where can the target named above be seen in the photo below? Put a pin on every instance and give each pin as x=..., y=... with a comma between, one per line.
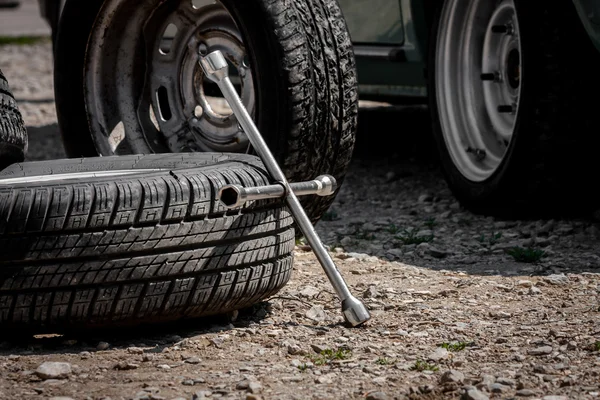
x=478, y=74
x=144, y=89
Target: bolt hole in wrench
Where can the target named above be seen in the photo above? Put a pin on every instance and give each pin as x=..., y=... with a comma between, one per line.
x=216, y=69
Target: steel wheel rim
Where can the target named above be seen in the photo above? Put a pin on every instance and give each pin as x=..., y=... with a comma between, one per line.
x=478, y=83
x=143, y=99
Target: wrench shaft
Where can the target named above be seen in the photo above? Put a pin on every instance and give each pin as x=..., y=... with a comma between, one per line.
x=306, y=226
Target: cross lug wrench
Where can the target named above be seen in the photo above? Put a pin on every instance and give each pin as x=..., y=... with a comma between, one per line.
x=216, y=69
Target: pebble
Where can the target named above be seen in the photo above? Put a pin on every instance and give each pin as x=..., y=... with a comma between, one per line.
x=316, y=313
x=498, y=388
x=540, y=351
x=377, y=396
x=319, y=348
x=125, y=366
x=474, y=394
x=254, y=387
x=53, y=370
x=553, y=397
x=202, y=395
x=452, y=376
x=438, y=354
x=507, y=381
x=294, y=349
x=192, y=360
x=102, y=346
x=526, y=393
x=556, y=279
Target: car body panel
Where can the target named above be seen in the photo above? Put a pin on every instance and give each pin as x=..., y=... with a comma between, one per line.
x=395, y=71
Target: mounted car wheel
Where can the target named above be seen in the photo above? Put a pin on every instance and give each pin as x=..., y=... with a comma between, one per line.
x=128, y=80
x=13, y=136
x=513, y=93
x=111, y=241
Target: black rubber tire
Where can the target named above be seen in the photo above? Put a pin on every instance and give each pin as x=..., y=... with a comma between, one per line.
x=553, y=153
x=13, y=136
x=148, y=246
x=302, y=55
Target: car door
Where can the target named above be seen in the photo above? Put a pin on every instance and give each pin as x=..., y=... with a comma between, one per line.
x=389, y=39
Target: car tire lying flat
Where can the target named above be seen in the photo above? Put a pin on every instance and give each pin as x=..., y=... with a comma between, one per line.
x=13, y=136
x=113, y=241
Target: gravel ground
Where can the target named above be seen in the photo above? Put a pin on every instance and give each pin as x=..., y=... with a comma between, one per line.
x=463, y=306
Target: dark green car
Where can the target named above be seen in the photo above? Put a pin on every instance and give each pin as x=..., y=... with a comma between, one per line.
x=513, y=86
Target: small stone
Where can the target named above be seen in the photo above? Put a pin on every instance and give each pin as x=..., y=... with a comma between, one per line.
x=473, y=394
x=316, y=313
x=148, y=357
x=553, y=397
x=254, y=387
x=53, y=370
x=193, y=360
x=487, y=380
x=243, y=385
x=251, y=396
x=164, y=367
x=202, y=395
x=309, y=292
x=135, y=350
x=438, y=354
x=557, y=279
x=425, y=198
x=102, y=346
x=217, y=341
x=525, y=283
x=188, y=382
x=61, y=398
x=370, y=293
x=294, y=349
x=125, y=366
x=323, y=380
x=452, y=376
x=85, y=355
x=377, y=396
x=500, y=314
x=498, y=388
x=534, y=291
x=319, y=348
x=507, y=382
x=526, y=393
x=540, y=351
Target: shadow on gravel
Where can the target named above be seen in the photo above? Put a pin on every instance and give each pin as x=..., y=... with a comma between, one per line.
x=395, y=205
x=157, y=335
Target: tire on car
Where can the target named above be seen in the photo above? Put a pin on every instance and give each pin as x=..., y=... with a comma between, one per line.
x=127, y=81
x=13, y=135
x=513, y=95
x=120, y=241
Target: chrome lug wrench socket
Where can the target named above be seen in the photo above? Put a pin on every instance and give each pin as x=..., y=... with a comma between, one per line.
x=216, y=69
